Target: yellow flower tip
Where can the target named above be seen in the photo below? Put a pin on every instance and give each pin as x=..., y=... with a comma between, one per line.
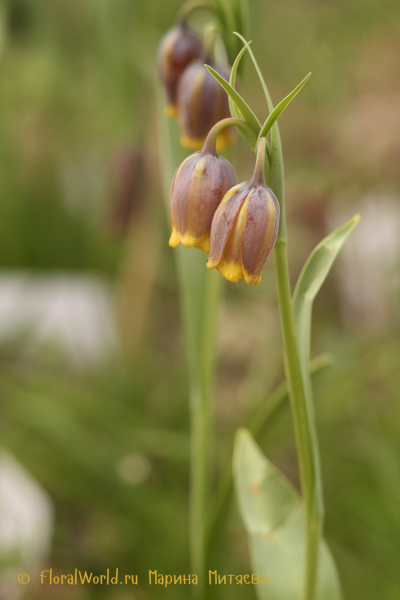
x=252, y=279
x=211, y=264
x=175, y=238
x=204, y=244
x=192, y=143
x=232, y=271
x=171, y=111
x=188, y=240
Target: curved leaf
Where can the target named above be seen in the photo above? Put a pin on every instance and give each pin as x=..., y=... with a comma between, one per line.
x=309, y=283
x=274, y=520
x=252, y=142
x=241, y=105
x=260, y=76
x=278, y=110
x=232, y=81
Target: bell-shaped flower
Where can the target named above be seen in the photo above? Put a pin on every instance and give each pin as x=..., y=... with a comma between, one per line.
x=179, y=47
x=202, y=102
x=245, y=227
x=199, y=184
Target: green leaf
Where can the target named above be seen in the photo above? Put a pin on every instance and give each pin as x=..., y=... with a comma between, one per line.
x=240, y=104
x=225, y=8
x=252, y=142
x=278, y=110
x=260, y=76
x=242, y=16
x=309, y=283
x=232, y=81
x=227, y=24
x=273, y=516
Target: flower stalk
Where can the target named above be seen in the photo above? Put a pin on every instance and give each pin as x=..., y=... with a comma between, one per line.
x=302, y=409
x=238, y=227
x=210, y=145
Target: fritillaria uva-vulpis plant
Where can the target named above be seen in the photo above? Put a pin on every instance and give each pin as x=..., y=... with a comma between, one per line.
x=239, y=226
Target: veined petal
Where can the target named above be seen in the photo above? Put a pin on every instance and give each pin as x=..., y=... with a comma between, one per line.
x=260, y=231
x=224, y=221
x=202, y=102
x=199, y=184
x=231, y=264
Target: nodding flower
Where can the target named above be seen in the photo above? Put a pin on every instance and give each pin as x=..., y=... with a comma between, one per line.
x=245, y=227
x=199, y=184
x=179, y=47
x=202, y=102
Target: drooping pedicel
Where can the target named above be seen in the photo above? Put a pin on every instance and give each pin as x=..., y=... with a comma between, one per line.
x=179, y=47
x=199, y=184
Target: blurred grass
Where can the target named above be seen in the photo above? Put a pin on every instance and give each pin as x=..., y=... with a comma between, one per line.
x=75, y=87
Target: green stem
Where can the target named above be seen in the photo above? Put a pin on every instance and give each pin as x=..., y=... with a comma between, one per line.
x=308, y=460
x=259, y=170
x=302, y=408
x=303, y=417
x=201, y=432
x=192, y=6
x=210, y=145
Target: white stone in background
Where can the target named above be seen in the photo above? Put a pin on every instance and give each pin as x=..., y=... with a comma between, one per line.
x=370, y=259
x=74, y=312
x=26, y=522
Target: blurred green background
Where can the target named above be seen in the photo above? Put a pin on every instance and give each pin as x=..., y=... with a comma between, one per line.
x=93, y=381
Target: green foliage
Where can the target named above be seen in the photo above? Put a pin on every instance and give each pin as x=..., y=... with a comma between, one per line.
x=278, y=110
x=233, y=16
x=274, y=520
x=309, y=283
x=241, y=105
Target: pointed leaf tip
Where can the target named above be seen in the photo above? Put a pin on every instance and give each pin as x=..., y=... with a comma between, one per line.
x=245, y=111
x=311, y=278
x=278, y=110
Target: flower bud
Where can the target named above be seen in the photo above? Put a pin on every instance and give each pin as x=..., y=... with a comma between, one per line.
x=178, y=48
x=202, y=102
x=244, y=229
x=199, y=184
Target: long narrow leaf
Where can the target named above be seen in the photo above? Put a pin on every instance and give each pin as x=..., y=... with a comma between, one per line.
x=278, y=110
x=241, y=105
x=232, y=81
x=261, y=78
x=309, y=283
x=251, y=141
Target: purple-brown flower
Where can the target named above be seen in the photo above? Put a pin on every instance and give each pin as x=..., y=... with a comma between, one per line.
x=202, y=102
x=245, y=227
x=179, y=47
x=199, y=184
